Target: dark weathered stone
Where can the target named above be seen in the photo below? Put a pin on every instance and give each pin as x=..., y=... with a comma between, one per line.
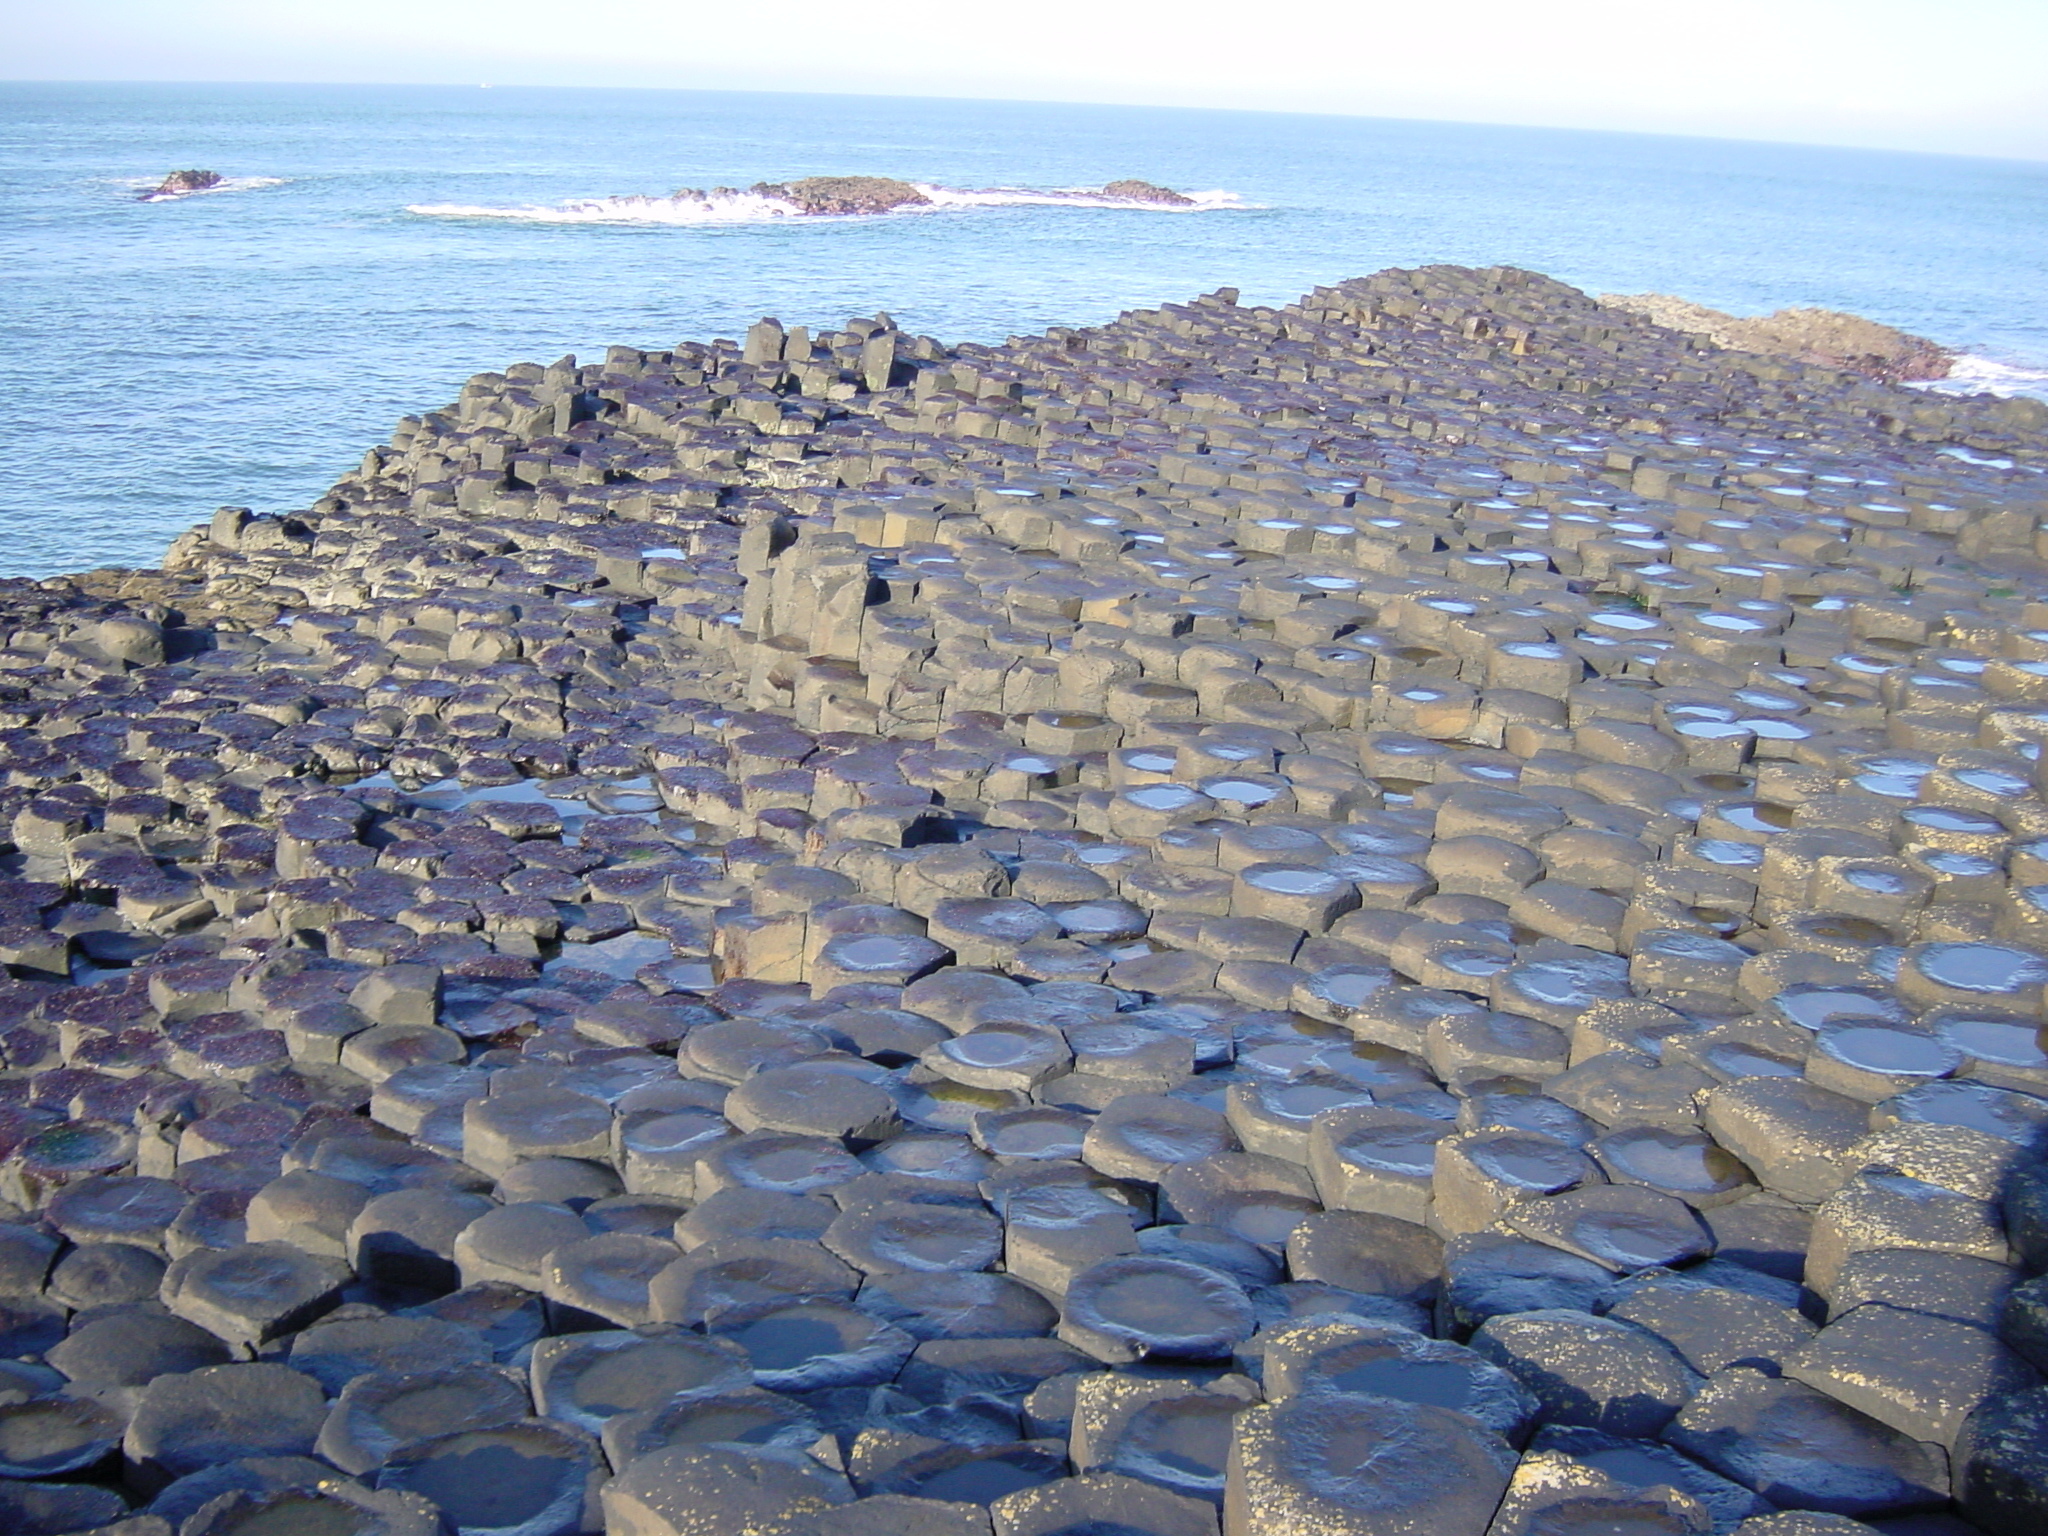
x=686, y=1490
x=253, y=1293
x=186, y=1422
x=1999, y=1455
x=529, y=1477
x=1347, y=1464
x=838, y=885
x=1800, y=1447
x=1921, y=1375
x=1599, y=1373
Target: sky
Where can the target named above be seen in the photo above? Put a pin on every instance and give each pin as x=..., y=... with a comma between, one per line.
x=1947, y=76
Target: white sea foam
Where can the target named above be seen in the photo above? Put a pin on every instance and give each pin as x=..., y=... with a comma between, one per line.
x=227, y=184
x=1071, y=197
x=754, y=208
x=1972, y=375
x=719, y=208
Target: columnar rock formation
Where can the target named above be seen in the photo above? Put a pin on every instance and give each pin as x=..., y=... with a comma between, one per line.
x=1426, y=911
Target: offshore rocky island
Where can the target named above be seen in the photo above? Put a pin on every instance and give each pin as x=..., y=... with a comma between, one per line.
x=1421, y=912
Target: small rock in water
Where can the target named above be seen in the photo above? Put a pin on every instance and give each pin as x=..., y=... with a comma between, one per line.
x=183, y=184
x=1147, y=192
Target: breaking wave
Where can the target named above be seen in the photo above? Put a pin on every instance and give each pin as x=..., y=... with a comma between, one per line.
x=227, y=184
x=1073, y=197
x=739, y=207
x=1972, y=375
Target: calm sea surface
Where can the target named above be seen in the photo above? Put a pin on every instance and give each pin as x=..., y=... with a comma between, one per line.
x=376, y=246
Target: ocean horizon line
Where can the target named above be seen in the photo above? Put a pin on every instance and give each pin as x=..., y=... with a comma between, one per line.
x=2038, y=158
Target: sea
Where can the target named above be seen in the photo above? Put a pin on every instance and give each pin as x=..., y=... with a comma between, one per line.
x=371, y=247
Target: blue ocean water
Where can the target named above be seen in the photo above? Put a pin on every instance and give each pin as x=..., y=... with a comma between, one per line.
x=244, y=346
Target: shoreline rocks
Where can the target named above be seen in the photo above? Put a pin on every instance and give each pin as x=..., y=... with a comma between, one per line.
x=1425, y=910
x=1825, y=337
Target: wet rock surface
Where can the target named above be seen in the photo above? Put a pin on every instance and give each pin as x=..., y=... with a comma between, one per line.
x=1146, y=192
x=841, y=195
x=182, y=184
x=1425, y=911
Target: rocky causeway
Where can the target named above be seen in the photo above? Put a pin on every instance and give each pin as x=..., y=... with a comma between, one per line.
x=1419, y=914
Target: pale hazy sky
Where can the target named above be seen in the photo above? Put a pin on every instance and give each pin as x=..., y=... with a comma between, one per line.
x=1961, y=76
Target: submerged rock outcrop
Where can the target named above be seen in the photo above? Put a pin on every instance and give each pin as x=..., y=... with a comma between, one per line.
x=843, y=195
x=183, y=184
x=1425, y=910
x=1146, y=192
x=1826, y=337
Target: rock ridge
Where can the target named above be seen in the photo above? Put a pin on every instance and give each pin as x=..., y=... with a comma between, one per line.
x=1420, y=911
x=1826, y=337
